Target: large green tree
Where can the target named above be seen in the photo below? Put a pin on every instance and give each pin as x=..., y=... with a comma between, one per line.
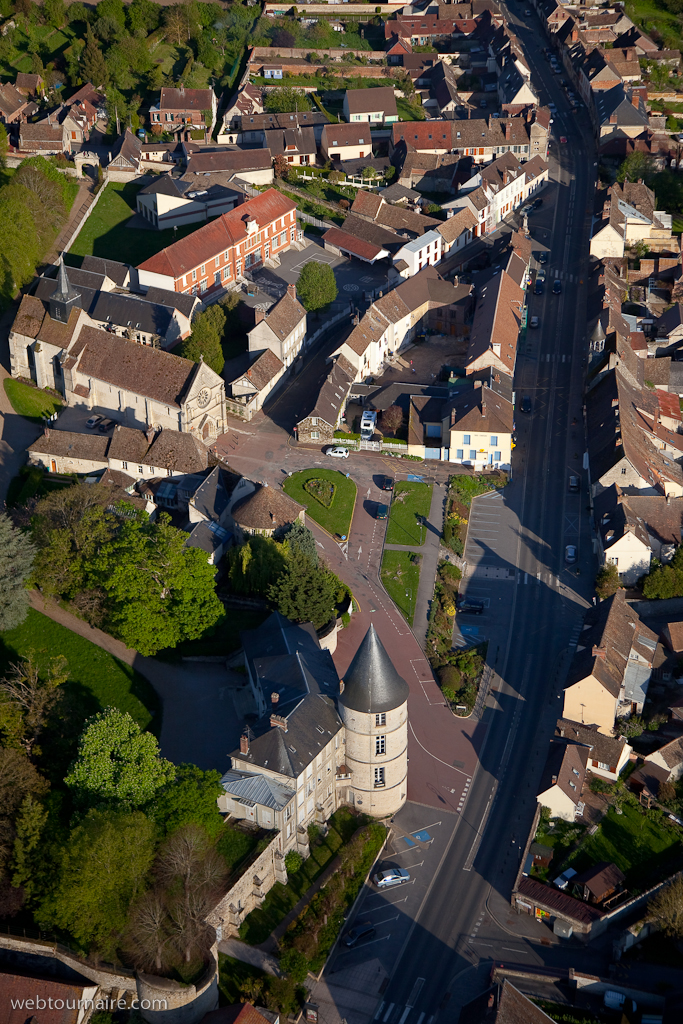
x=143, y=16
x=286, y=100
x=117, y=765
x=206, y=338
x=101, y=870
x=18, y=553
x=306, y=592
x=189, y=798
x=256, y=564
x=316, y=286
x=159, y=592
x=93, y=65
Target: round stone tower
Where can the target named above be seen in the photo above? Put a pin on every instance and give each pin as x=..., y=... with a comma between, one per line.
x=373, y=705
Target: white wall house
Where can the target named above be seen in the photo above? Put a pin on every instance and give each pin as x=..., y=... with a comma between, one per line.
x=425, y=251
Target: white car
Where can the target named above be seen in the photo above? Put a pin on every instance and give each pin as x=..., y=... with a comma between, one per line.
x=338, y=453
x=390, y=877
x=93, y=421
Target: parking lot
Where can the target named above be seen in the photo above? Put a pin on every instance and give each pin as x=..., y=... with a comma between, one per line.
x=355, y=981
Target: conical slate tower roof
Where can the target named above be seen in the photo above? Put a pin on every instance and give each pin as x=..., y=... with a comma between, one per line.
x=64, y=291
x=598, y=332
x=371, y=683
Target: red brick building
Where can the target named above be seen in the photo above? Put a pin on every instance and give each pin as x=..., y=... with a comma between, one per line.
x=219, y=252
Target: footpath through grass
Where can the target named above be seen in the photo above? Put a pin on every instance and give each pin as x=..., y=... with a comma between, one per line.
x=336, y=518
x=97, y=680
x=410, y=505
x=105, y=233
x=31, y=402
x=282, y=898
x=401, y=578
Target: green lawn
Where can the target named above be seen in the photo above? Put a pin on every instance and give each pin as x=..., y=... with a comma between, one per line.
x=96, y=679
x=649, y=15
x=467, y=487
x=105, y=233
x=401, y=578
x=283, y=898
x=411, y=500
x=640, y=844
x=409, y=111
x=31, y=402
x=337, y=518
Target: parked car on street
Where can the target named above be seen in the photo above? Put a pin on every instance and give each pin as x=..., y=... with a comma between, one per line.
x=526, y=404
x=470, y=605
x=538, y=286
x=574, y=484
x=338, y=453
x=543, y=257
x=570, y=554
x=534, y=322
x=365, y=930
x=557, y=286
x=387, y=482
x=381, y=512
x=390, y=877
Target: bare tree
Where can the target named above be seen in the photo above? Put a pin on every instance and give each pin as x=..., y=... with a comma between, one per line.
x=175, y=23
x=194, y=874
x=667, y=909
x=149, y=938
x=26, y=700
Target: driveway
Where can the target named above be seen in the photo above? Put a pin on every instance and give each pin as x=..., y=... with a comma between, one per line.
x=200, y=723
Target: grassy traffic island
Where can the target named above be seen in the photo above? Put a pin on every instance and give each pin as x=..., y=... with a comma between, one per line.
x=400, y=575
x=30, y=401
x=409, y=513
x=328, y=496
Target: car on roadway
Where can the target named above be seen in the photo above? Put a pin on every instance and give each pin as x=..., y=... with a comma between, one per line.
x=574, y=484
x=364, y=930
x=557, y=286
x=382, y=511
x=527, y=13
x=483, y=104
x=337, y=452
x=557, y=70
x=672, y=817
x=92, y=422
x=526, y=404
x=390, y=877
x=538, y=286
x=534, y=322
x=105, y=425
x=543, y=257
x=528, y=208
x=563, y=140
x=387, y=482
x=570, y=554
x=552, y=108
x=470, y=605
x=536, y=203
x=541, y=274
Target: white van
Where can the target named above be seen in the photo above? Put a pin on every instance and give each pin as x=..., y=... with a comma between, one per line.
x=367, y=425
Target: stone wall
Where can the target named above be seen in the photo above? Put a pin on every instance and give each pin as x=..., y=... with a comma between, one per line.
x=165, y=1001
x=249, y=891
x=109, y=979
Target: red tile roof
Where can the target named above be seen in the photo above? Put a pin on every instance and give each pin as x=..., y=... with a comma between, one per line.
x=348, y=242
x=202, y=245
x=558, y=902
x=39, y=994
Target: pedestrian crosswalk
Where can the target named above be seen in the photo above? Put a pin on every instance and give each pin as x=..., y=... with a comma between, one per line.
x=395, y=1013
x=553, y=273
x=550, y=357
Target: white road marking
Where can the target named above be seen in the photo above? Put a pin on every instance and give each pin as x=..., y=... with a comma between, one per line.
x=388, y=1013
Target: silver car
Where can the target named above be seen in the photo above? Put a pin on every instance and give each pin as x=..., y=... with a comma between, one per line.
x=570, y=554
x=390, y=877
x=338, y=453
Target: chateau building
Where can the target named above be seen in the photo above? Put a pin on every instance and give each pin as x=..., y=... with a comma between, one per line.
x=319, y=742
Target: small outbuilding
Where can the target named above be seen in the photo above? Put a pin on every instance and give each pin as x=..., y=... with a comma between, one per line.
x=266, y=510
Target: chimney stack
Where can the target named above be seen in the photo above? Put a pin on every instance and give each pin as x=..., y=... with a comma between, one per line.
x=508, y=130
x=554, y=779
x=274, y=697
x=291, y=288
x=599, y=652
x=259, y=315
x=244, y=744
x=278, y=722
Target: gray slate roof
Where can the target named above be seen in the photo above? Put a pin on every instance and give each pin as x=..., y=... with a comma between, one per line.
x=258, y=789
x=371, y=683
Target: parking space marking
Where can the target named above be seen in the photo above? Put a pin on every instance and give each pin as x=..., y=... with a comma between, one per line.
x=379, y=1010
x=385, y=905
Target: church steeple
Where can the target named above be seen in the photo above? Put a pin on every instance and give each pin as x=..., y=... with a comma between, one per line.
x=65, y=297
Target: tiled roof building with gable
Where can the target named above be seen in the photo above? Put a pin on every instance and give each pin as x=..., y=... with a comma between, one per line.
x=611, y=669
x=217, y=253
